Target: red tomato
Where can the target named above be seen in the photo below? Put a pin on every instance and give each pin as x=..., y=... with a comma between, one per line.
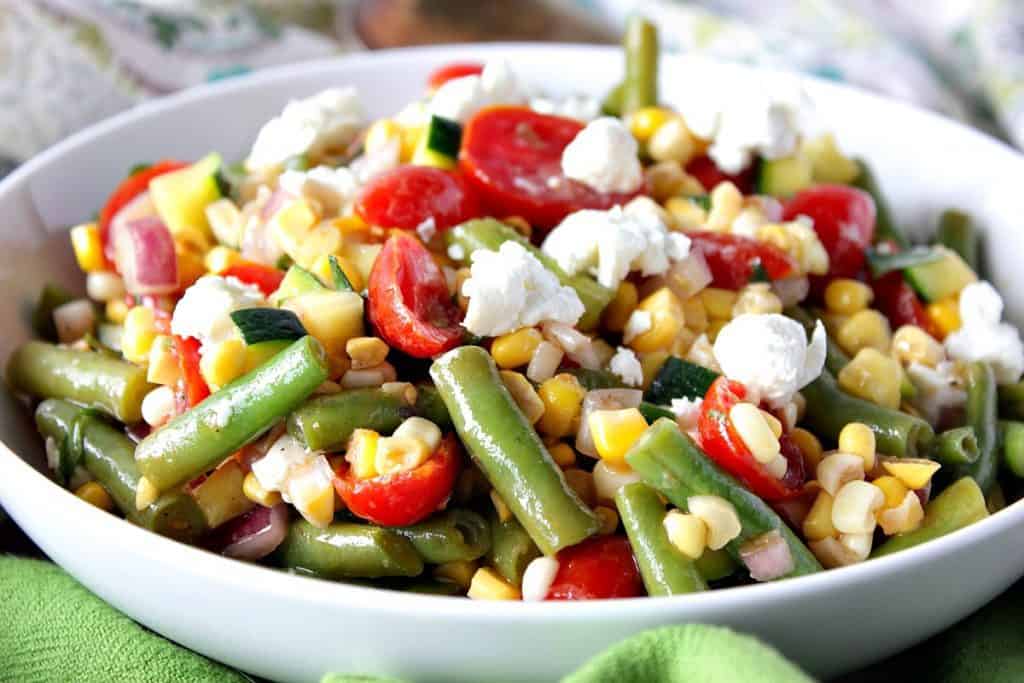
x=409, y=302
x=513, y=156
x=723, y=444
x=707, y=172
x=732, y=258
x=449, y=72
x=407, y=497
x=598, y=568
x=844, y=218
x=267, y=278
x=409, y=195
x=192, y=387
x=898, y=301
x=130, y=188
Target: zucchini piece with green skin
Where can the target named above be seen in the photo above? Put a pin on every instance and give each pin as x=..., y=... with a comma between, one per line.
x=297, y=280
x=883, y=262
x=670, y=462
x=591, y=379
x=508, y=451
x=981, y=416
x=341, y=281
x=109, y=456
x=454, y=536
x=1011, y=440
x=488, y=233
x=51, y=297
x=612, y=103
x=512, y=549
x=440, y=142
x=348, y=551
x=181, y=196
x=783, y=178
x=664, y=569
x=640, y=84
x=960, y=505
x=90, y=378
x=652, y=412
x=678, y=378
x=941, y=278
x=267, y=324
x=886, y=229
x=198, y=439
x=957, y=232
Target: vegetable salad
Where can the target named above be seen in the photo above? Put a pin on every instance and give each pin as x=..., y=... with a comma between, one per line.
x=510, y=346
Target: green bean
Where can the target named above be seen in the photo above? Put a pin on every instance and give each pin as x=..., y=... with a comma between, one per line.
x=652, y=412
x=612, y=103
x=93, y=379
x=671, y=462
x=961, y=504
x=198, y=439
x=348, y=551
x=981, y=416
x=456, y=535
x=430, y=406
x=487, y=233
x=956, y=231
x=885, y=228
x=1011, y=401
x=953, y=447
x=591, y=379
x=109, y=456
x=511, y=549
x=714, y=565
x=50, y=298
x=508, y=450
x=640, y=87
x=829, y=409
x=665, y=570
x=1011, y=436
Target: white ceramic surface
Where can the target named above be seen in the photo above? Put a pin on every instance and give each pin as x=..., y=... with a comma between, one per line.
x=294, y=629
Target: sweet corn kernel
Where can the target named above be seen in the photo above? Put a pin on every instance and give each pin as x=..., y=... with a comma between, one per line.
x=488, y=585
x=158, y=406
x=544, y=363
x=911, y=344
x=377, y=376
x=104, y=285
x=523, y=394
x=582, y=482
x=673, y=141
x=854, y=507
x=915, y=474
x=756, y=298
x=292, y=224
x=516, y=349
x=608, y=479
x=667, y=321
x=907, y=515
x=946, y=315
x=726, y=204
x=846, y=296
x=116, y=311
x=695, y=314
x=892, y=488
x=420, y=429
x=617, y=313
x=754, y=430
x=829, y=164
x=687, y=532
x=459, y=572
x=818, y=522
x=312, y=493
x=255, y=492
x=88, y=247
x=400, y=454
x=650, y=364
x=562, y=396
x=608, y=519
x=139, y=334
x=645, y=121
x=163, y=362
x=720, y=517
x=686, y=214
x=562, y=454
x=362, y=453
x=874, y=377
x=225, y=221
x=810, y=447
x=504, y=514
x=94, y=494
x=615, y=431
x=773, y=423
x=858, y=439
x=665, y=179
x=405, y=391
x=221, y=258
x=145, y=494
x=366, y=352
x=836, y=469
x=381, y=133
x=864, y=329
x=718, y=302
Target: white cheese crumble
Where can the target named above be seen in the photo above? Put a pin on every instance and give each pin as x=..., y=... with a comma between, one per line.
x=982, y=337
x=610, y=244
x=604, y=156
x=204, y=312
x=687, y=410
x=939, y=390
x=460, y=98
x=304, y=478
x=638, y=323
x=580, y=107
x=769, y=354
x=285, y=456
x=626, y=365
x=326, y=120
x=332, y=188
x=509, y=288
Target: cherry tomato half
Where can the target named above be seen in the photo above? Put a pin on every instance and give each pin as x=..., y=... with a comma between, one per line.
x=449, y=72
x=732, y=258
x=707, y=172
x=723, y=444
x=407, y=196
x=406, y=497
x=191, y=387
x=409, y=302
x=598, y=568
x=267, y=278
x=130, y=188
x=898, y=301
x=844, y=218
x=513, y=156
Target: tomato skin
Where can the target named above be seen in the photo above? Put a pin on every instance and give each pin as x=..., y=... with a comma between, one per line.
x=731, y=258
x=409, y=302
x=723, y=444
x=130, y=188
x=449, y=72
x=707, y=172
x=407, y=497
x=898, y=301
x=513, y=157
x=191, y=387
x=267, y=278
x=844, y=218
x=407, y=196
x=598, y=568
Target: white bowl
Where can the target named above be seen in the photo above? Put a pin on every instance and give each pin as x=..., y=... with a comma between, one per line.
x=292, y=628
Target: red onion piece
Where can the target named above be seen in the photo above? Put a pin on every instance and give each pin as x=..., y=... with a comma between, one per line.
x=767, y=557
x=602, y=399
x=275, y=204
x=145, y=256
x=253, y=535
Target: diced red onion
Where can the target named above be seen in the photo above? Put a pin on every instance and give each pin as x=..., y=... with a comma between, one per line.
x=145, y=257
x=688, y=276
x=577, y=346
x=767, y=557
x=602, y=399
x=792, y=290
x=276, y=202
x=73, y=320
x=255, y=534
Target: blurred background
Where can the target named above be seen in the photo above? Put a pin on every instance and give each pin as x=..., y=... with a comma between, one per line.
x=67, y=63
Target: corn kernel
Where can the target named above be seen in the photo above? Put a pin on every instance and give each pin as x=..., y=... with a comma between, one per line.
x=666, y=180
x=695, y=314
x=524, y=395
x=915, y=474
x=673, y=141
x=686, y=214
x=892, y=488
x=756, y=298
x=255, y=492
x=858, y=439
x=420, y=429
x=874, y=377
x=225, y=221
x=221, y=258
x=366, y=352
x=88, y=247
x=818, y=522
x=400, y=454
x=911, y=344
x=645, y=121
x=404, y=391
x=562, y=396
x=310, y=489
x=163, y=362
x=718, y=302
x=116, y=311
x=726, y=204
x=582, y=483
x=563, y=454
x=836, y=469
x=145, y=494
x=459, y=572
x=615, y=431
x=504, y=514
x=94, y=494
x=755, y=432
x=223, y=363
x=139, y=334
x=158, y=406
x=687, y=532
x=666, y=322
x=516, y=349
x=617, y=313
x=854, y=507
x=362, y=453
x=946, y=315
x=829, y=163
x=719, y=515
x=865, y=329
x=381, y=133
x=846, y=296
x=608, y=519
x=488, y=585
x=104, y=285
x=904, y=517
x=374, y=377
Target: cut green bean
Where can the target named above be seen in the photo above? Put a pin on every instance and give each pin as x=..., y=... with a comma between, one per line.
x=953, y=447
x=715, y=565
x=885, y=229
x=109, y=456
x=664, y=569
x=455, y=536
x=1011, y=401
x=1011, y=438
x=198, y=439
x=612, y=103
x=511, y=549
x=93, y=379
x=508, y=451
x=961, y=504
x=640, y=86
x=348, y=551
x=981, y=417
x=957, y=231
x=671, y=462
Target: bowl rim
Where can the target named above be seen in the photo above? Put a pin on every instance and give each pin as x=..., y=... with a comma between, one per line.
x=216, y=568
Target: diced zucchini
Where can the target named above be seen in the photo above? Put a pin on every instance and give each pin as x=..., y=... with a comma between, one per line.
x=258, y=354
x=341, y=281
x=882, y=262
x=678, y=378
x=181, y=196
x=296, y=281
x=941, y=278
x=267, y=324
x=784, y=177
x=439, y=145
